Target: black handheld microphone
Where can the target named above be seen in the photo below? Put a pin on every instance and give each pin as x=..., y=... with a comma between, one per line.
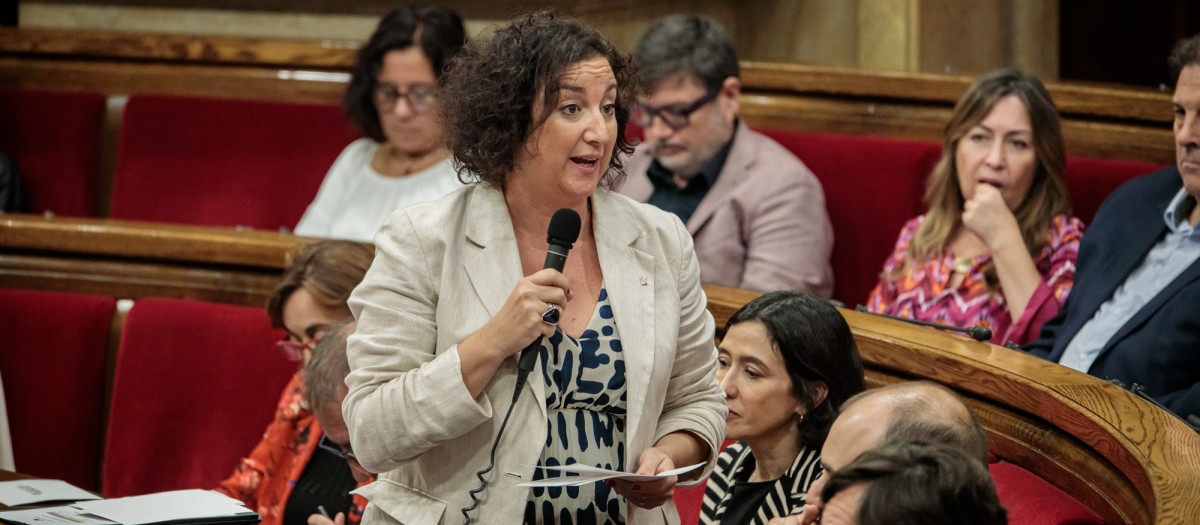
x=978, y=333
x=561, y=235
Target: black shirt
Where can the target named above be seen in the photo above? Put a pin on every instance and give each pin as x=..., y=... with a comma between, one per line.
x=326, y=481
x=746, y=498
x=683, y=202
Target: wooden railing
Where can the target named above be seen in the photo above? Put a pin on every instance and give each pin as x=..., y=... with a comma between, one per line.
x=1098, y=121
x=1126, y=459
x=1121, y=456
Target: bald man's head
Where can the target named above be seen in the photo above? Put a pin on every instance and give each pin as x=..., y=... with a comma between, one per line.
x=917, y=411
x=913, y=412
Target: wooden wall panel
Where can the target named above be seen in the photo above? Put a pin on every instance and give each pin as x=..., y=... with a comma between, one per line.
x=887, y=35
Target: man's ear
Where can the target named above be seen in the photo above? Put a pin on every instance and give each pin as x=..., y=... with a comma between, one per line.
x=731, y=91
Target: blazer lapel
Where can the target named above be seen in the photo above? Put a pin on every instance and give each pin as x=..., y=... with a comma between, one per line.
x=629, y=278
x=495, y=267
x=741, y=156
x=1135, y=244
x=1190, y=275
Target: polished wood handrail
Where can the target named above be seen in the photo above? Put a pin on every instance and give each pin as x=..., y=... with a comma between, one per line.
x=1120, y=455
x=175, y=48
x=1125, y=458
x=131, y=260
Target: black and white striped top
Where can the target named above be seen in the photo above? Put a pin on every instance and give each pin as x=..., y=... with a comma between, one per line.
x=786, y=497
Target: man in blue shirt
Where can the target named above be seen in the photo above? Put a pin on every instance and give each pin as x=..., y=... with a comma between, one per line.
x=1134, y=313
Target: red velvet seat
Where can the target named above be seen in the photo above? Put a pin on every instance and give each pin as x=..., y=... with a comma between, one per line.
x=872, y=186
x=52, y=365
x=219, y=162
x=194, y=388
x=1090, y=180
x=54, y=138
x=1031, y=500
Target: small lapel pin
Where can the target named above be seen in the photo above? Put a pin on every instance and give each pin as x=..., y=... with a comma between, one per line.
x=644, y=281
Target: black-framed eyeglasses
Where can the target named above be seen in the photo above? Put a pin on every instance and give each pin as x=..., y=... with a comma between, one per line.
x=674, y=116
x=329, y=446
x=420, y=97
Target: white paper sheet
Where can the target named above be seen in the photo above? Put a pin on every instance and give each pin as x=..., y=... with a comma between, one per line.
x=51, y=515
x=584, y=474
x=164, y=506
x=26, y=491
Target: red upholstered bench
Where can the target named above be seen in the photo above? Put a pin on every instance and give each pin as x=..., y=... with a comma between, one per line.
x=1090, y=180
x=1031, y=500
x=194, y=388
x=52, y=366
x=54, y=138
x=872, y=186
x=217, y=162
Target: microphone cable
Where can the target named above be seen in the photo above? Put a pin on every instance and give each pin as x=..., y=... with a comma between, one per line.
x=1192, y=421
x=522, y=375
x=978, y=333
x=560, y=236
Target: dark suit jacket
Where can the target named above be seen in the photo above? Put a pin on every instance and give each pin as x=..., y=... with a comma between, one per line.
x=1159, y=347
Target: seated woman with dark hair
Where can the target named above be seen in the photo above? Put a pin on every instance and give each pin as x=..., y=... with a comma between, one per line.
x=997, y=247
x=393, y=98
x=786, y=363
x=288, y=476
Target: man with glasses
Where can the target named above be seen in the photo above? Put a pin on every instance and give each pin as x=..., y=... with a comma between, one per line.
x=325, y=388
x=757, y=214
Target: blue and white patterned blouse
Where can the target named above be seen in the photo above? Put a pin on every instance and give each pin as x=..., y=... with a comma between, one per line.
x=586, y=407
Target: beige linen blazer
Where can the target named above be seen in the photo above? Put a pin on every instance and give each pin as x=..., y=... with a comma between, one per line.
x=441, y=271
x=762, y=226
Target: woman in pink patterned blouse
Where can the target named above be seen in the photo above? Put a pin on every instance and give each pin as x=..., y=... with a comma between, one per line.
x=997, y=247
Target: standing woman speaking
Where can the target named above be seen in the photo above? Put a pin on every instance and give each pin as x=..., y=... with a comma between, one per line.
x=624, y=380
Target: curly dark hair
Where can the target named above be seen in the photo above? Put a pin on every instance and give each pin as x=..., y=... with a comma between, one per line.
x=492, y=86
x=437, y=30
x=816, y=345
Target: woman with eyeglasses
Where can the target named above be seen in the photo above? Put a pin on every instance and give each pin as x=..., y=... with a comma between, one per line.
x=393, y=98
x=287, y=478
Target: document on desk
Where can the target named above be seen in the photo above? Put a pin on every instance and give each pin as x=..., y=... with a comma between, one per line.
x=27, y=491
x=578, y=474
x=178, y=506
x=64, y=514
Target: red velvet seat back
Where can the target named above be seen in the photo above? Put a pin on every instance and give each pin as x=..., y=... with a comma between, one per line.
x=52, y=366
x=872, y=186
x=217, y=162
x=54, y=138
x=195, y=386
x=1031, y=500
x=1090, y=180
